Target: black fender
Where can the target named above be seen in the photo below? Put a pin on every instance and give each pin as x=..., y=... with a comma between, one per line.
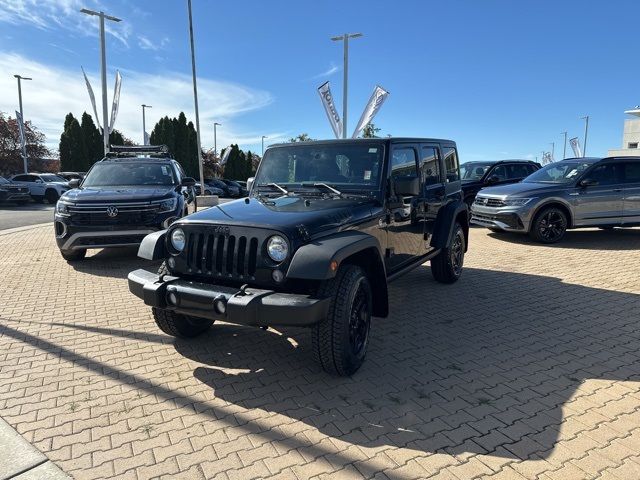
x=153, y=246
x=445, y=222
x=313, y=262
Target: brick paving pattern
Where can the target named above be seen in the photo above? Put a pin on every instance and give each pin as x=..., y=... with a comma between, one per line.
x=528, y=367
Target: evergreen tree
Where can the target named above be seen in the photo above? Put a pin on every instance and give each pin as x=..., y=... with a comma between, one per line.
x=71, y=148
x=94, y=150
x=181, y=140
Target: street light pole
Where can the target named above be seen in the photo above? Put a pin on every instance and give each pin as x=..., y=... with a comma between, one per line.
x=24, y=144
x=103, y=61
x=586, y=132
x=553, y=150
x=345, y=79
x=263, y=137
x=215, y=140
x=144, y=127
x=564, y=151
x=195, y=95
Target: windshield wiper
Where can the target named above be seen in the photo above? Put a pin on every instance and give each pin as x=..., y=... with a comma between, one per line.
x=274, y=185
x=335, y=191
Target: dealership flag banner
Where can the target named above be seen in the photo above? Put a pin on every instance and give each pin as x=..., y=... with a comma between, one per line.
x=575, y=146
x=93, y=99
x=330, y=107
x=116, y=101
x=375, y=102
x=225, y=155
x=23, y=138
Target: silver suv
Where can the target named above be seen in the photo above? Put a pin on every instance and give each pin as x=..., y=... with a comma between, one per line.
x=572, y=193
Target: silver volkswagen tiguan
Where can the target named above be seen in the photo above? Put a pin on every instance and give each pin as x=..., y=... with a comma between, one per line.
x=572, y=193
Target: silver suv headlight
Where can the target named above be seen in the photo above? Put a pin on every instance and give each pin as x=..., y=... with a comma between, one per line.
x=516, y=202
x=178, y=239
x=168, y=205
x=277, y=248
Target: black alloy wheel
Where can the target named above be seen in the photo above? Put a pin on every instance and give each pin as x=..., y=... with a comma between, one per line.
x=550, y=225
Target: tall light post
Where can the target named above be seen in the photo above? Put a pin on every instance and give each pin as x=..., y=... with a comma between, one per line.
x=215, y=139
x=553, y=150
x=564, y=151
x=586, y=132
x=24, y=144
x=103, y=57
x=144, y=126
x=195, y=95
x=263, y=137
x=345, y=79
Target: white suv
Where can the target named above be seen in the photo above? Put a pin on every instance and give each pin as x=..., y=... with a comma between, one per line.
x=42, y=186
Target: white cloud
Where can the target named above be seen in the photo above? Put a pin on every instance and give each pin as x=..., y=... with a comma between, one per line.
x=327, y=73
x=147, y=44
x=54, y=92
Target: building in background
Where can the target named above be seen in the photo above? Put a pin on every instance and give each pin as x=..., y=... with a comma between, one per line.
x=630, y=136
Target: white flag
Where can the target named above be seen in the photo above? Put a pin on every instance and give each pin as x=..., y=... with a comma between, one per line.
x=23, y=138
x=330, y=107
x=116, y=100
x=225, y=155
x=375, y=102
x=575, y=146
x=93, y=99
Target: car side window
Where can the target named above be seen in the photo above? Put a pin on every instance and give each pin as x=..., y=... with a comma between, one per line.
x=531, y=169
x=603, y=174
x=500, y=171
x=403, y=162
x=20, y=178
x=451, y=165
x=632, y=172
x=429, y=166
x=517, y=171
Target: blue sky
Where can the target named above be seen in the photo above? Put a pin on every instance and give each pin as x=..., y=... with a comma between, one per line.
x=502, y=78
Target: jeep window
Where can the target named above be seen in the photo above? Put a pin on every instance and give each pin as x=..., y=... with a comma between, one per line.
x=474, y=171
x=429, y=166
x=451, y=164
x=349, y=166
x=403, y=162
x=561, y=172
x=133, y=173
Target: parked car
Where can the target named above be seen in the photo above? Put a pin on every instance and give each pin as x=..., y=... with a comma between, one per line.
x=572, y=193
x=214, y=182
x=478, y=175
x=10, y=192
x=124, y=197
x=235, y=190
x=208, y=190
x=42, y=186
x=314, y=244
x=72, y=175
x=242, y=185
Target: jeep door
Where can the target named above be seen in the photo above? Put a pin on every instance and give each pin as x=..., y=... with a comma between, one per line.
x=432, y=190
x=600, y=204
x=453, y=184
x=631, y=201
x=405, y=236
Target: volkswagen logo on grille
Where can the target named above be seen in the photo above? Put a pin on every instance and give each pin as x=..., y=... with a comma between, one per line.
x=112, y=212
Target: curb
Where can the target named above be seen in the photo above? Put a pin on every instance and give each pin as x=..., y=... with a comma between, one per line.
x=22, y=229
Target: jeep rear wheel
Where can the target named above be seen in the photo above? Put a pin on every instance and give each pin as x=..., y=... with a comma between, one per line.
x=446, y=267
x=340, y=341
x=176, y=324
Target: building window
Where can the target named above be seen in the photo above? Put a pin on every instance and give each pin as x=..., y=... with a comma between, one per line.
x=633, y=145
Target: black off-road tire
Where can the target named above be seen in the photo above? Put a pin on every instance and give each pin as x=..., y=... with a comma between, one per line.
x=340, y=341
x=176, y=324
x=446, y=267
x=549, y=225
x=51, y=196
x=73, y=255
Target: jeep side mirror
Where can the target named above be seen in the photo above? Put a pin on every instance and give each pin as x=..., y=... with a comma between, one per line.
x=74, y=183
x=250, y=181
x=588, y=182
x=188, y=182
x=406, y=186
x=493, y=179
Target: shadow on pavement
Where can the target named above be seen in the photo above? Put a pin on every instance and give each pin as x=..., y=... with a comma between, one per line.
x=473, y=367
x=616, y=239
x=113, y=262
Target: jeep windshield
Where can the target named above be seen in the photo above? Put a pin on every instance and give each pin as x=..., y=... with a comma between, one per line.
x=560, y=172
x=130, y=174
x=347, y=167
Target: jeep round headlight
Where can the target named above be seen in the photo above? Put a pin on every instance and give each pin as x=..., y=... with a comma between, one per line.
x=178, y=239
x=277, y=248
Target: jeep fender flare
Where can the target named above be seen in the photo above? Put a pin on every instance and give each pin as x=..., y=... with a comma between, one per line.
x=153, y=247
x=445, y=222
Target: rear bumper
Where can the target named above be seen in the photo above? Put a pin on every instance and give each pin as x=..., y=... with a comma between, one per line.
x=251, y=307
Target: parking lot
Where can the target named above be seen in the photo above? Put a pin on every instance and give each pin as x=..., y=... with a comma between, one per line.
x=529, y=367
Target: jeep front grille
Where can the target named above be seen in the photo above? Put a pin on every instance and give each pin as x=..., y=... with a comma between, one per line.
x=218, y=254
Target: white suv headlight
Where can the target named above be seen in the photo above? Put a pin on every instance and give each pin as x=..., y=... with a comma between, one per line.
x=277, y=248
x=178, y=239
x=516, y=202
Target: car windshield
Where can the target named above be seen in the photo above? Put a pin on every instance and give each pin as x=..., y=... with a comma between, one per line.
x=52, y=178
x=130, y=173
x=473, y=171
x=561, y=172
x=348, y=166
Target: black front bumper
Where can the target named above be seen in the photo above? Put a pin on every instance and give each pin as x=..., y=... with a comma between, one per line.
x=249, y=307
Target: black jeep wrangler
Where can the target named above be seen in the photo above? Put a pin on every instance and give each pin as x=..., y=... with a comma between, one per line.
x=326, y=225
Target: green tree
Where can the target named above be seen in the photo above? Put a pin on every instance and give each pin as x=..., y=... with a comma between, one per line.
x=181, y=140
x=72, y=150
x=303, y=137
x=370, y=131
x=11, y=150
x=92, y=139
x=248, y=166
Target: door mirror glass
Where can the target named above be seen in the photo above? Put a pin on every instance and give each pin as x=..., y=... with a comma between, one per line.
x=74, y=183
x=188, y=182
x=588, y=182
x=406, y=186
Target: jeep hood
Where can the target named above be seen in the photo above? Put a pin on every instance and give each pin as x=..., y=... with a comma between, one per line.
x=117, y=194
x=523, y=189
x=288, y=213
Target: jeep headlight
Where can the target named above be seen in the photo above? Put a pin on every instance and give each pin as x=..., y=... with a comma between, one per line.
x=168, y=205
x=178, y=239
x=516, y=202
x=62, y=208
x=277, y=248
